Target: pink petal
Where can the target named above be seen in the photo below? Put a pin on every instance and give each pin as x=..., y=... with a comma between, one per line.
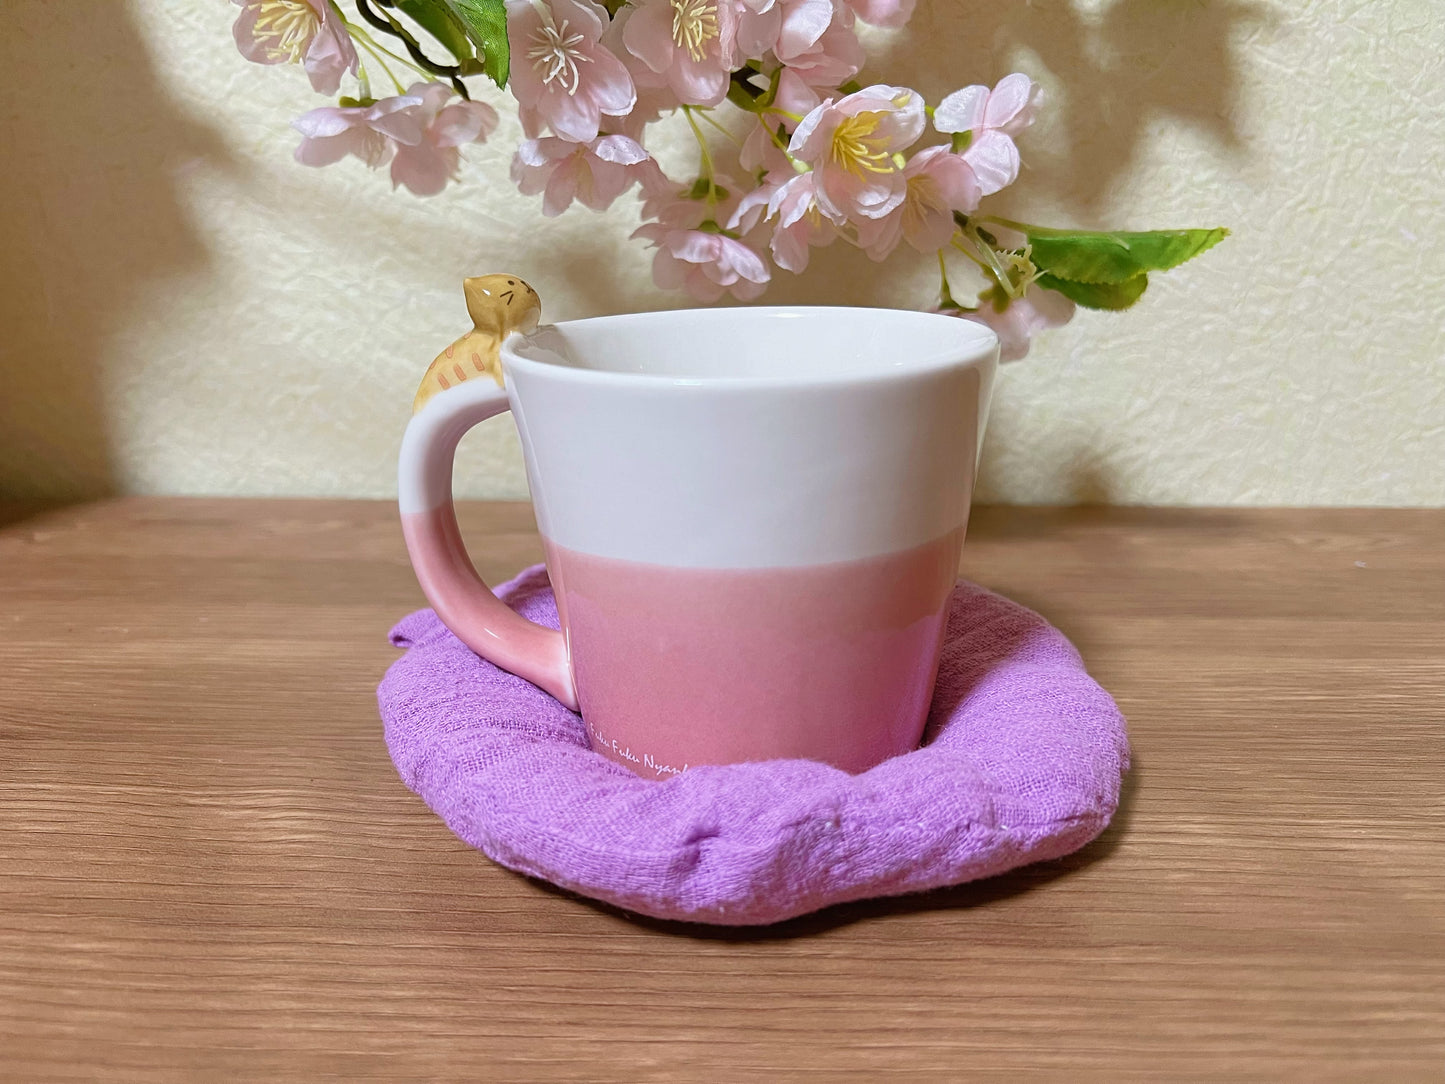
x=961, y=111
x=747, y=291
x=608, y=181
x=874, y=99
x=533, y=124
x=536, y=152
x=562, y=187
x=836, y=58
x=694, y=246
x=1008, y=100
x=330, y=56
x=523, y=21
x=583, y=17
x=398, y=118
x=620, y=149
x=424, y=169
x=324, y=150
x=464, y=122
x=905, y=123
x=1051, y=308
x=609, y=84
x=928, y=229
x=701, y=286
x=879, y=237
x=244, y=31
x=795, y=95
x=803, y=24
x=574, y=117
x=750, y=208
x=667, y=271
x=871, y=196
x=820, y=122
x=790, y=249
x=757, y=34
x=328, y=120
x=995, y=161
x=648, y=34
x=703, y=82
x=953, y=177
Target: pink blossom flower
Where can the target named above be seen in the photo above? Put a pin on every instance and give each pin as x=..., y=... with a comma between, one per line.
x=1022, y=319
x=993, y=117
x=307, y=32
x=891, y=13
x=759, y=149
x=426, y=165
x=678, y=206
x=801, y=224
x=561, y=75
x=816, y=41
x=370, y=132
x=687, y=43
x=939, y=183
x=417, y=132
x=851, y=144
x=706, y=263
x=759, y=23
x=593, y=173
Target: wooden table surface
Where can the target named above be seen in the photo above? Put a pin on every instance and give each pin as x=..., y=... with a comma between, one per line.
x=210, y=871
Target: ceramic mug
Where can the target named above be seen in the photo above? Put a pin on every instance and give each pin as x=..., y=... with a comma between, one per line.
x=752, y=520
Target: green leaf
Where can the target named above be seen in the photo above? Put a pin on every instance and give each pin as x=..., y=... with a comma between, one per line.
x=1111, y=296
x=486, y=23
x=441, y=22
x=1081, y=256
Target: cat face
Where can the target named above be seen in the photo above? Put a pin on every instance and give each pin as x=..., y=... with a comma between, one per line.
x=502, y=303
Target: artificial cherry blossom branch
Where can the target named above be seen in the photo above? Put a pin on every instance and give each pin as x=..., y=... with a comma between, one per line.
x=817, y=157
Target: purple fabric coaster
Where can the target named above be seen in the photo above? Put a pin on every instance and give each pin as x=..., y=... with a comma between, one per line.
x=1022, y=761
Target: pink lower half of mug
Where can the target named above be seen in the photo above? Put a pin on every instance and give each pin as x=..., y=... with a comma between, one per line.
x=677, y=667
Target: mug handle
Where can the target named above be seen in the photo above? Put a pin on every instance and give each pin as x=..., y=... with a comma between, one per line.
x=465, y=604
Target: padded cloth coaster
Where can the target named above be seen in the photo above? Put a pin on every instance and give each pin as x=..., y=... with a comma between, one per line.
x=1022, y=761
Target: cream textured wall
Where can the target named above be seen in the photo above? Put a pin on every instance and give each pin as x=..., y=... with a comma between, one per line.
x=184, y=310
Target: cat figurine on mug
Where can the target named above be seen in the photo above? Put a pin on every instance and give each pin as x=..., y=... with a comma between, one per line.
x=498, y=306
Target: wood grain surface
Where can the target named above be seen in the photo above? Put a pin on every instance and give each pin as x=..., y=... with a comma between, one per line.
x=209, y=870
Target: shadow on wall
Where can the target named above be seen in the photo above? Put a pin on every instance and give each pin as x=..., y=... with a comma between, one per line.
x=1111, y=75
x=88, y=215
x=1117, y=71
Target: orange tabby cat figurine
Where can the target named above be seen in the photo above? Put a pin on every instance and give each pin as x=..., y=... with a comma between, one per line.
x=498, y=306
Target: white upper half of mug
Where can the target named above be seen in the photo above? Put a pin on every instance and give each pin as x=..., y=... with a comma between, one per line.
x=749, y=437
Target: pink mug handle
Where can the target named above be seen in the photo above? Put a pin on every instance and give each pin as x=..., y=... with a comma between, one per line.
x=450, y=582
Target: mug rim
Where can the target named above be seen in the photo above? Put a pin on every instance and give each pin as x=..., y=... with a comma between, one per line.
x=978, y=346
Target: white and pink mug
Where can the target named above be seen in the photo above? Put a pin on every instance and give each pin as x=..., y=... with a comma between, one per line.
x=752, y=520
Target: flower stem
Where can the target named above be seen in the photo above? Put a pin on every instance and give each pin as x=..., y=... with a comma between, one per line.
x=706, y=115
x=387, y=24
x=945, y=295
x=370, y=45
x=705, y=154
x=984, y=255
x=1007, y=223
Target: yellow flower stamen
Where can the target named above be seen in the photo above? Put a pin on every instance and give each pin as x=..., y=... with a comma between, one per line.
x=921, y=196
x=857, y=148
x=285, y=28
x=694, y=24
